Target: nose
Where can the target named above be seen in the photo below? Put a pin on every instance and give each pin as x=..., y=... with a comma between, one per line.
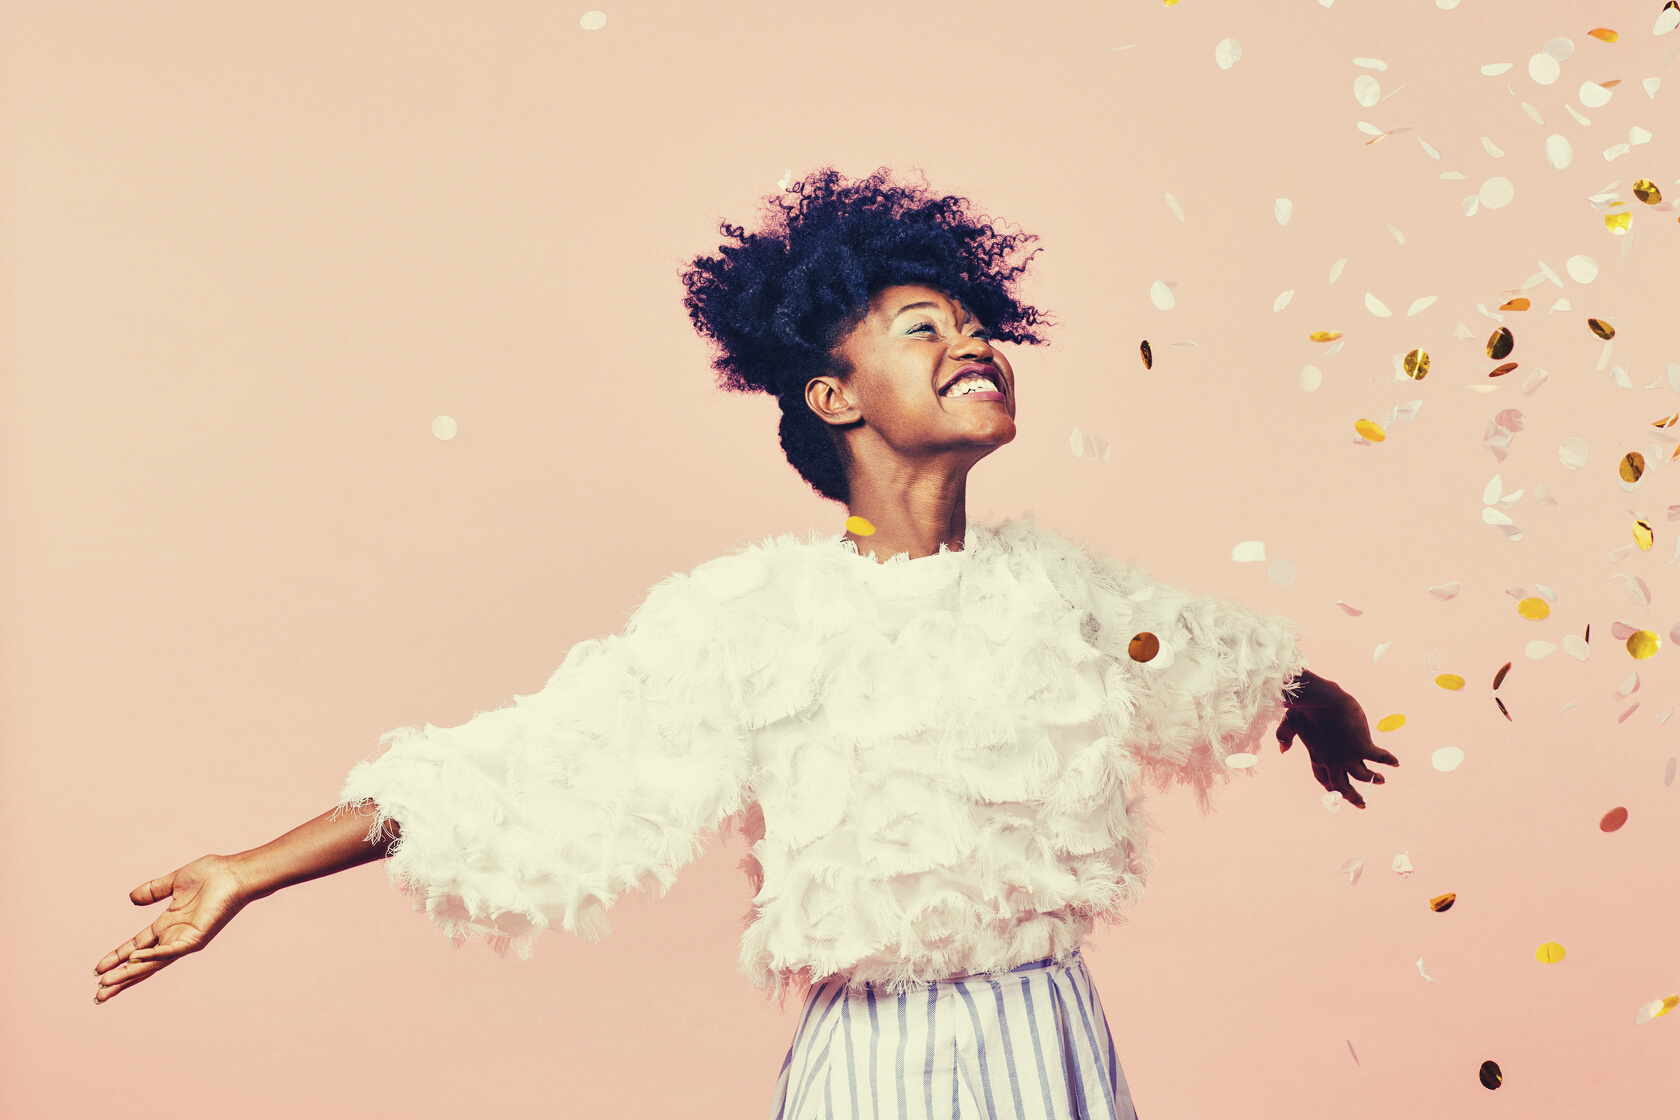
x=971, y=347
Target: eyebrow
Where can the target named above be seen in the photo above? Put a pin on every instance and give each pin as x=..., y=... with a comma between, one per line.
x=923, y=303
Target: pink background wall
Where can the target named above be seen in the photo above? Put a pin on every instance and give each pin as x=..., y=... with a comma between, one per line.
x=251, y=251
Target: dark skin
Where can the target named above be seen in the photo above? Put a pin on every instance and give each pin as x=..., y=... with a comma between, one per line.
x=908, y=446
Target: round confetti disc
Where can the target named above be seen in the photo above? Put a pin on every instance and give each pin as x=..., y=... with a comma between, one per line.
x=1441, y=903
x=1632, y=466
x=1242, y=760
x=1450, y=681
x=1601, y=329
x=1416, y=364
x=1325, y=336
x=444, y=427
x=1646, y=191
x=1370, y=430
x=593, y=21
x=1549, y=953
x=860, y=525
x=1534, y=607
x=1499, y=344
x=1613, y=820
x=1619, y=222
x=1144, y=647
x=1447, y=759
x=1643, y=644
x=1391, y=723
x=1490, y=1075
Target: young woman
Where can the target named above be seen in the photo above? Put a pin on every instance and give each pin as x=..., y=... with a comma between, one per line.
x=932, y=731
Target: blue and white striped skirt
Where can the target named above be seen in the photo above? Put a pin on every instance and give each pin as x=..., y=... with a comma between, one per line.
x=1031, y=1044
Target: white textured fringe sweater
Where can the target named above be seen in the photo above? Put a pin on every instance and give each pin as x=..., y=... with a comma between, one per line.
x=936, y=761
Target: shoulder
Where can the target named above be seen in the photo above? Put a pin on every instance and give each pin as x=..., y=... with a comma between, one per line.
x=1066, y=561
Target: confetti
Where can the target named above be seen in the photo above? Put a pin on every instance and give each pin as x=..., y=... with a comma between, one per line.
x=1421, y=972
x=1354, y=611
x=1351, y=869
x=1493, y=69
x=1500, y=343
x=1226, y=53
x=1422, y=303
x=1496, y=192
x=1631, y=467
x=1604, y=34
x=1601, y=329
x=1490, y=1075
x=1417, y=364
x=1549, y=952
x=1248, y=552
x=1161, y=295
x=1646, y=191
x=1581, y=268
x=1369, y=430
x=1558, y=151
x=1613, y=820
x=1282, y=572
x=1618, y=223
x=1536, y=650
x=1143, y=647
x=1366, y=90
x=1311, y=378
x=1281, y=210
x=1398, y=236
x=1445, y=591
x=1642, y=535
x=593, y=21
x=1429, y=149
x=1643, y=644
x=1521, y=303
x=1380, y=650
x=860, y=525
x=1637, y=135
x=1391, y=723
x=1502, y=370
x=1325, y=336
x=1667, y=19
x=1450, y=681
x=1241, y=760
x=1332, y=801
x=1533, y=113
x=1403, y=865
x=1441, y=903
x=1669, y=771
x=1376, y=306
x=1560, y=48
x=443, y=427
x=1499, y=677
x=1656, y=1008
x=1651, y=86
x=1282, y=301
x=1172, y=204
x=1148, y=356
x=1593, y=95
x=1579, y=118
x=1183, y=344
x=1491, y=148
x=1543, y=68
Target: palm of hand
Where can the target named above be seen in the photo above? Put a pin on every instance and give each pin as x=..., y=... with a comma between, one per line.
x=203, y=897
x=1338, y=740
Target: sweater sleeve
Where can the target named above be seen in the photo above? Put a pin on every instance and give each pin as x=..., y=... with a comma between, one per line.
x=552, y=807
x=1214, y=689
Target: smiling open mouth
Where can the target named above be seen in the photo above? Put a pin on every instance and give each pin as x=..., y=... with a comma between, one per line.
x=983, y=382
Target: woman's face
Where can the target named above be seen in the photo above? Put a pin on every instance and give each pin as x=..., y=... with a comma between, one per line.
x=925, y=381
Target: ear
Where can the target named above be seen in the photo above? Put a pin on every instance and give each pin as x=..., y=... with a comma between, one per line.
x=828, y=397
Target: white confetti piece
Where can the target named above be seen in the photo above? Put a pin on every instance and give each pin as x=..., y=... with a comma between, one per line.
x=1616, y=554
x=1491, y=148
x=1445, y=591
x=1312, y=377
x=1546, y=271
x=1491, y=516
x=1666, y=712
x=1462, y=332
x=1366, y=90
x=444, y=427
x=1161, y=295
x=1336, y=269
x=1335, y=348
x=1369, y=129
x=1351, y=869
x=1638, y=590
x=1226, y=53
x=1533, y=113
x=1637, y=136
x=593, y=21
x=1376, y=306
x=1667, y=20
x=1576, y=646
x=1402, y=864
x=1185, y=344
x=1558, y=151
x=1496, y=192
x=1447, y=758
x=1281, y=210
x=1354, y=611
x=1560, y=48
x=1494, y=69
x=1177, y=210
x=1651, y=86
x=1421, y=304
x=1668, y=771
x=1593, y=96
x=1380, y=650
x=1453, y=176
x=787, y=177
x=1655, y=1007
x=1248, y=552
x=1332, y=801
x=1282, y=301
x=1616, y=151
x=1629, y=686
x=1538, y=649
x=1470, y=205
x=1546, y=593
x=1581, y=268
x=1282, y=572
x=1241, y=760
x=1429, y=150
x=1370, y=64
x=1566, y=707
x=1421, y=972
x=1398, y=236
x=1076, y=442
x=1544, y=69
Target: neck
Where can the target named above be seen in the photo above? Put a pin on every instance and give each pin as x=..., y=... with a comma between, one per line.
x=914, y=513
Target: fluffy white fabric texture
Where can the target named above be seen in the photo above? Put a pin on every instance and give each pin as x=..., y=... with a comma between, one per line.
x=938, y=762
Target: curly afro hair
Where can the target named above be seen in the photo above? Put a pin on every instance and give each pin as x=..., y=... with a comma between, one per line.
x=778, y=302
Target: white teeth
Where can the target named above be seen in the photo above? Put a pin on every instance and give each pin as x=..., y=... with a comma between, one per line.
x=970, y=383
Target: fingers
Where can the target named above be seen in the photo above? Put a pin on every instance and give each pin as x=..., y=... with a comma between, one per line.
x=1347, y=790
x=126, y=976
x=1286, y=732
x=1360, y=771
x=154, y=891
x=145, y=939
x=1377, y=754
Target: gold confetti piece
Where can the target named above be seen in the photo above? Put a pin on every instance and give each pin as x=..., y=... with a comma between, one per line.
x=1601, y=329
x=1502, y=710
x=1502, y=370
x=1642, y=535
x=1370, y=430
x=1441, y=903
x=1643, y=644
x=1666, y=422
x=1669, y=1003
x=1148, y=355
x=860, y=526
x=1604, y=33
x=1325, y=336
x=1169, y=3
x=1646, y=191
x=1613, y=820
x=1618, y=223
x=1490, y=1075
x=1499, y=677
x=1417, y=364
x=1632, y=467
x=1611, y=84
x=1534, y=607
x=1519, y=304
x=1499, y=344
x=1391, y=723
x=1144, y=647
x=1450, y=681
x=1549, y=953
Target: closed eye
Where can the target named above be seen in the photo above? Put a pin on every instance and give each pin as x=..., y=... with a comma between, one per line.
x=981, y=333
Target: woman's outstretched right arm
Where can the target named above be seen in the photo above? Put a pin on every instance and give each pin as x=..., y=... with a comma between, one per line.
x=206, y=893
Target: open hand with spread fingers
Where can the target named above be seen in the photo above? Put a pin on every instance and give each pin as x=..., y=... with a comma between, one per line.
x=203, y=897
x=1332, y=725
